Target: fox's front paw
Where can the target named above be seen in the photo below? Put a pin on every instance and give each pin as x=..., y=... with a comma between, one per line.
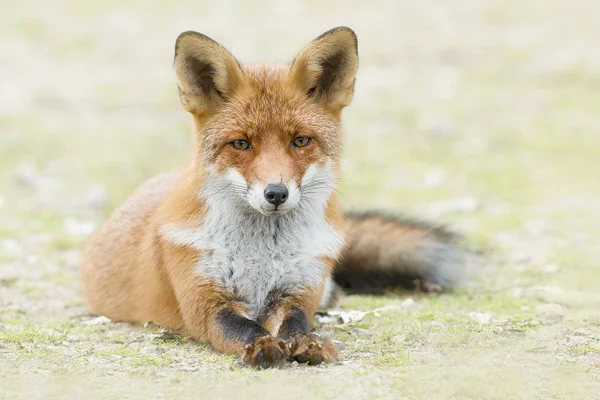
x=312, y=349
x=266, y=352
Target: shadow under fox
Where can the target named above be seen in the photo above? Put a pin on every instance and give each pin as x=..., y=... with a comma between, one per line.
x=240, y=247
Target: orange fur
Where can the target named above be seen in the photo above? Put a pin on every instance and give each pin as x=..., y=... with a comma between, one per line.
x=147, y=263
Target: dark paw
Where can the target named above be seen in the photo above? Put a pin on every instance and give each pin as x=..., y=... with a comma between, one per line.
x=266, y=352
x=312, y=349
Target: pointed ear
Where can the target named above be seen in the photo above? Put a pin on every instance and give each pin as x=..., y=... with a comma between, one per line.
x=207, y=74
x=326, y=68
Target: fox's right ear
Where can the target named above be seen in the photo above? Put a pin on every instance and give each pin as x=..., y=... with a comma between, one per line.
x=207, y=74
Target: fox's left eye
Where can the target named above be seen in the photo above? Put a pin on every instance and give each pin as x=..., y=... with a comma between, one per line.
x=241, y=145
x=301, y=141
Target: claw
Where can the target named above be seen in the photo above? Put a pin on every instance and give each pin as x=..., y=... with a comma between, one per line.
x=265, y=352
x=312, y=350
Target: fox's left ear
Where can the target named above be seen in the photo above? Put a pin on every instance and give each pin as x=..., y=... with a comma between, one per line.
x=326, y=68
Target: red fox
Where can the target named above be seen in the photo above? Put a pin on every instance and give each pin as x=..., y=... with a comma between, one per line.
x=240, y=248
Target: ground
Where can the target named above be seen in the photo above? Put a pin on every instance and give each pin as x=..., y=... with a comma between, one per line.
x=480, y=114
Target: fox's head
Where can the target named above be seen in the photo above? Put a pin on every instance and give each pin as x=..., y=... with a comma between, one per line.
x=268, y=136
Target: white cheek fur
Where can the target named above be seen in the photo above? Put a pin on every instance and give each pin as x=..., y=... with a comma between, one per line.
x=235, y=177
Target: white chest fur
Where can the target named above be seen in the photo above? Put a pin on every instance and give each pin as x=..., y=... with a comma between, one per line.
x=250, y=254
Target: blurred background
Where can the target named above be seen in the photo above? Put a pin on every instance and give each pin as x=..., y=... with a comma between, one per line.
x=480, y=114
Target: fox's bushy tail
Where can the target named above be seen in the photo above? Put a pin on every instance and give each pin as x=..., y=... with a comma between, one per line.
x=386, y=251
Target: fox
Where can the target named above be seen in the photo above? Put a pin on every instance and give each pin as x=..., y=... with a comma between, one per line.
x=242, y=246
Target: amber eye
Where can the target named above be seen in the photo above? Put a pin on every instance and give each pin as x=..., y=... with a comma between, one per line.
x=301, y=141
x=241, y=145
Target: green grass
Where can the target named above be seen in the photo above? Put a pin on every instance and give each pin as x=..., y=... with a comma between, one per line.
x=119, y=351
x=143, y=361
x=389, y=359
x=34, y=334
x=583, y=350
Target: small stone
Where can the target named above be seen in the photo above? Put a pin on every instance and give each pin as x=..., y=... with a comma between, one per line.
x=399, y=339
x=550, y=268
x=352, y=316
x=98, y=321
x=32, y=259
x=326, y=319
x=435, y=177
x=148, y=350
x=74, y=227
x=27, y=174
x=390, y=307
x=437, y=324
x=96, y=198
x=549, y=314
x=408, y=303
x=11, y=247
x=482, y=318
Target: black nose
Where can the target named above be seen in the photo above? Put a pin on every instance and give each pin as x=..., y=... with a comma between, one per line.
x=276, y=194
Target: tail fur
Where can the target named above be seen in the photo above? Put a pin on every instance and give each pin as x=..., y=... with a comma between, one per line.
x=386, y=251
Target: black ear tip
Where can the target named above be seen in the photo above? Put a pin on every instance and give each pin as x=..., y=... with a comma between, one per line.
x=344, y=29
x=194, y=34
x=185, y=34
x=182, y=36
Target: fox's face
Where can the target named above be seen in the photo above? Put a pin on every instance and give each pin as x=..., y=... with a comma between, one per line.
x=268, y=136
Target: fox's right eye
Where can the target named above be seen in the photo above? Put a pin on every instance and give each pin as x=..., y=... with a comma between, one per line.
x=241, y=145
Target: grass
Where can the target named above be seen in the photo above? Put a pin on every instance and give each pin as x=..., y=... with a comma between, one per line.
x=583, y=350
x=119, y=352
x=483, y=101
x=144, y=361
x=34, y=334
